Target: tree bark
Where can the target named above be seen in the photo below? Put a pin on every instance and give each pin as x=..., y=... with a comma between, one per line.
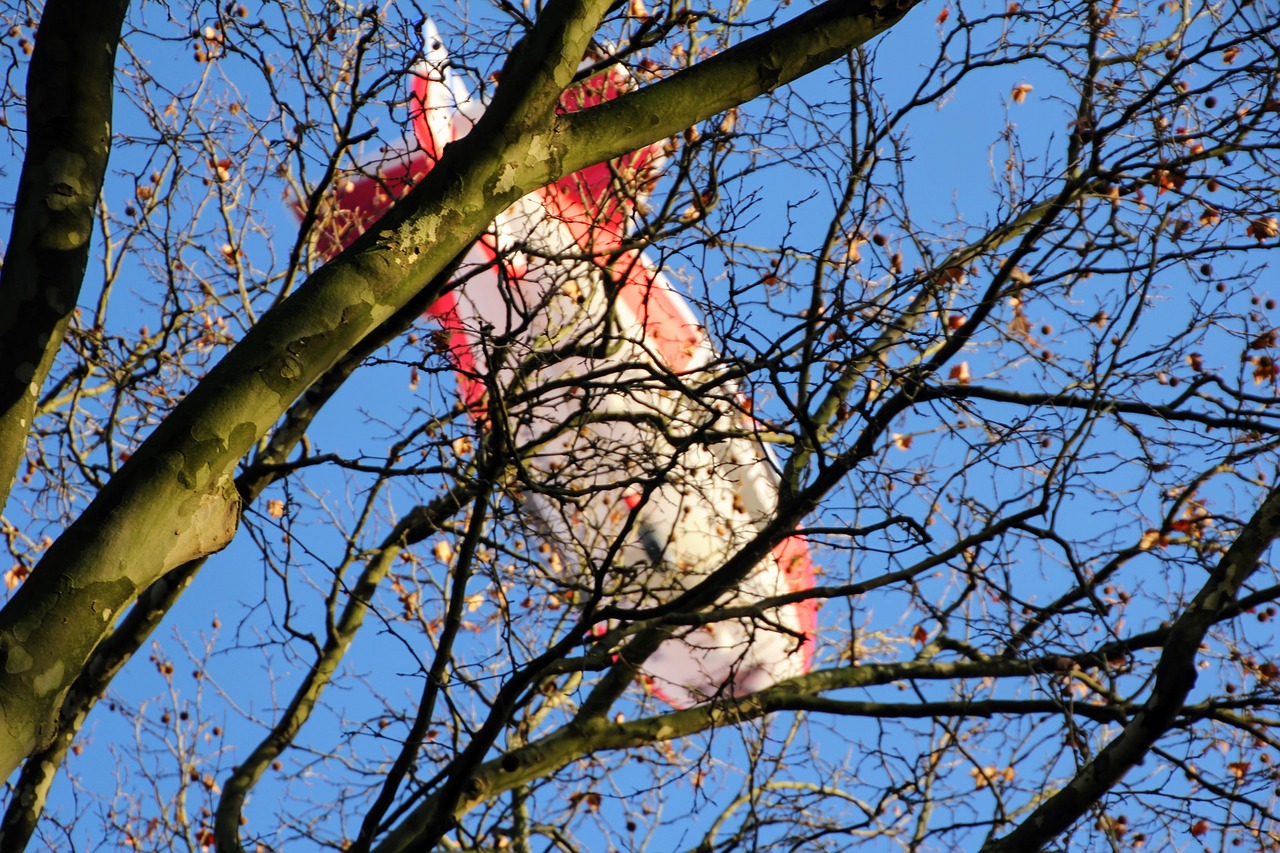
x=69, y=99
x=175, y=501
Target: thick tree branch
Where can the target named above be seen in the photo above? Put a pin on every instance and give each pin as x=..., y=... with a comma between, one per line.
x=745, y=71
x=69, y=99
x=174, y=500
x=32, y=788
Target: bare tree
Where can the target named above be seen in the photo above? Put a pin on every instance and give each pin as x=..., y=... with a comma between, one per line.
x=992, y=285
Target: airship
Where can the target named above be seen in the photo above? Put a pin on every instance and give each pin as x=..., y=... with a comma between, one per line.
x=637, y=460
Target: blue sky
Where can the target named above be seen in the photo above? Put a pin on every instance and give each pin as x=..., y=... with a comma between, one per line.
x=232, y=625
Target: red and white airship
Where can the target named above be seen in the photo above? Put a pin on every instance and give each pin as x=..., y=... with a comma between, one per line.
x=640, y=466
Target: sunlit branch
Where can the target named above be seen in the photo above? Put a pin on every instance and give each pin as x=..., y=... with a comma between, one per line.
x=1175, y=677
x=1255, y=421
x=38, y=773
x=436, y=677
x=596, y=734
x=416, y=525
